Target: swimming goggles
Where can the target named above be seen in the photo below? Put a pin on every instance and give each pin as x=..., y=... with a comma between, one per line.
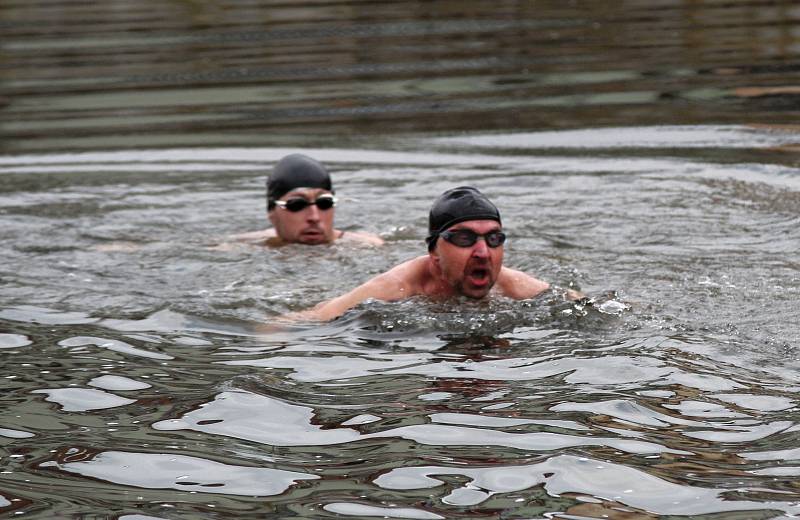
x=323, y=202
x=467, y=237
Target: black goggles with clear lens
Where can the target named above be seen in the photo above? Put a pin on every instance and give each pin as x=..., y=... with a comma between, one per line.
x=299, y=204
x=467, y=237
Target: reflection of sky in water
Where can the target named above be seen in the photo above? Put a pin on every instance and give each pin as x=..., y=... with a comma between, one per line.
x=13, y=341
x=120, y=383
x=569, y=474
x=614, y=369
x=15, y=434
x=30, y=313
x=112, y=344
x=355, y=510
x=159, y=471
x=259, y=418
x=632, y=137
x=83, y=399
x=270, y=421
x=484, y=160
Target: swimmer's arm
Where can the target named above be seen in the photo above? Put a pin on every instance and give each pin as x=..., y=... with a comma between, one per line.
x=253, y=236
x=233, y=242
x=575, y=295
x=400, y=282
x=385, y=287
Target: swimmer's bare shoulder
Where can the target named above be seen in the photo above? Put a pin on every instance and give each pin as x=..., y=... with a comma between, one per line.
x=264, y=237
x=518, y=285
x=522, y=286
x=253, y=237
x=268, y=237
x=361, y=237
x=120, y=246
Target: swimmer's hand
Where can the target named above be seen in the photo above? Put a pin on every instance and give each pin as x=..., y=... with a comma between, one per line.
x=577, y=296
x=285, y=321
x=605, y=304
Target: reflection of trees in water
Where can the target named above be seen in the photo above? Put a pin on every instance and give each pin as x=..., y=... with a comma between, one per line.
x=191, y=72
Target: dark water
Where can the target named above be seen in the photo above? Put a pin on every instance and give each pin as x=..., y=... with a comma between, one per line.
x=77, y=75
x=644, y=152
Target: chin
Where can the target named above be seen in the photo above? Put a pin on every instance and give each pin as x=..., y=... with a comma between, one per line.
x=312, y=241
x=476, y=293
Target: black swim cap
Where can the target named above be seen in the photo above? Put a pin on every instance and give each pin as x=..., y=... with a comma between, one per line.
x=296, y=171
x=458, y=205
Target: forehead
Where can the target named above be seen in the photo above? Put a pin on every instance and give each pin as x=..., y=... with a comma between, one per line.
x=478, y=226
x=306, y=193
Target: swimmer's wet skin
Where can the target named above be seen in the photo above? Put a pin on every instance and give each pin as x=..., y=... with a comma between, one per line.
x=301, y=206
x=465, y=258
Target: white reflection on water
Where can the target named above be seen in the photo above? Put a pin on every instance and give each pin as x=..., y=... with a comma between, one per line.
x=259, y=418
x=160, y=471
x=270, y=421
x=491, y=421
x=763, y=403
x=211, y=160
x=350, y=510
x=34, y=314
x=618, y=369
x=625, y=410
x=706, y=137
x=570, y=474
x=15, y=434
x=318, y=369
x=113, y=345
x=748, y=431
x=13, y=341
x=119, y=383
x=446, y=435
x=82, y=399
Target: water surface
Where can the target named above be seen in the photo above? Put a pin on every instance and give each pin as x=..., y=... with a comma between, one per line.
x=645, y=153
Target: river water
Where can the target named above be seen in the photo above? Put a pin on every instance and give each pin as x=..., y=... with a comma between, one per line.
x=644, y=152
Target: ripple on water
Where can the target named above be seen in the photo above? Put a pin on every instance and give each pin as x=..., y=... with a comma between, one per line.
x=416, y=409
x=34, y=314
x=705, y=137
x=113, y=345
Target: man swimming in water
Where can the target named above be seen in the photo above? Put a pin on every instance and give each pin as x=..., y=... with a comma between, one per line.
x=465, y=258
x=300, y=206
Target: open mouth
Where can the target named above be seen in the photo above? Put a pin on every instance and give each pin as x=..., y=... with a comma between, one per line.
x=478, y=276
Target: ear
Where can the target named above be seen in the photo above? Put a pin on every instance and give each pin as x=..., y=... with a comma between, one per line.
x=435, y=260
x=271, y=217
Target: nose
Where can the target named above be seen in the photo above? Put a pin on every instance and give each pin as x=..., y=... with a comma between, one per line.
x=480, y=249
x=312, y=213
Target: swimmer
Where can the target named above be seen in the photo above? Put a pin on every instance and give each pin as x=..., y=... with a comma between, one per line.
x=300, y=206
x=465, y=258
